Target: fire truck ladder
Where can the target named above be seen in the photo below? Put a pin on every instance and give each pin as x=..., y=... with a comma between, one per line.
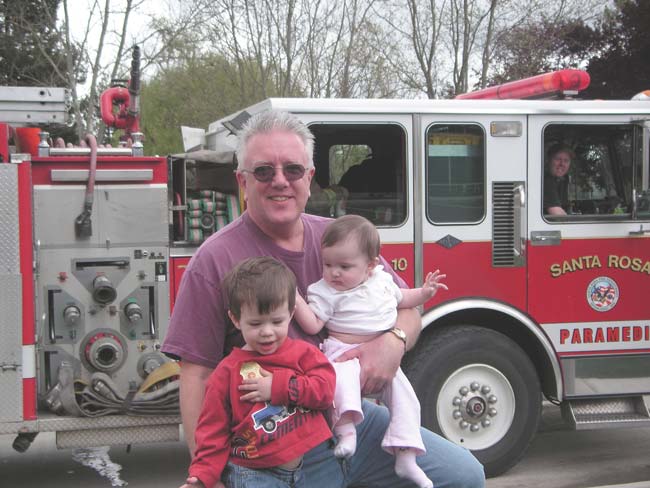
x=21, y=106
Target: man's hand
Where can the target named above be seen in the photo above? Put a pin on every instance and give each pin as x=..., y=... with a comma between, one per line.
x=259, y=389
x=379, y=358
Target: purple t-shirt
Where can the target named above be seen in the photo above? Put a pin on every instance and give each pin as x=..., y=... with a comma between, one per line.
x=199, y=330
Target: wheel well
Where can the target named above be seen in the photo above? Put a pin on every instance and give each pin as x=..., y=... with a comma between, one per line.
x=510, y=327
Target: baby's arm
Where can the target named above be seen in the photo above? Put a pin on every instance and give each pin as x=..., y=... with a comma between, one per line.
x=306, y=318
x=417, y=296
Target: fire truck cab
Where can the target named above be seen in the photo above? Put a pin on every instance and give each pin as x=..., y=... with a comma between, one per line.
x=538, y=305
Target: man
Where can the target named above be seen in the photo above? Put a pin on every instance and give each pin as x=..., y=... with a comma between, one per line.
x=275, y=171
x=556, y=180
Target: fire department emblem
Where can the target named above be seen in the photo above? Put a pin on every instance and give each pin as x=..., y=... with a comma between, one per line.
x=602, y=294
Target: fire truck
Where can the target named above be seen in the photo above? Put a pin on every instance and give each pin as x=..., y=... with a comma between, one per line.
x=539, y=306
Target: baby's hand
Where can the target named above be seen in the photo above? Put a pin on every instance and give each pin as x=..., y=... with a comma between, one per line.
x=193, y=482
x=432, y=283
x=259, y=389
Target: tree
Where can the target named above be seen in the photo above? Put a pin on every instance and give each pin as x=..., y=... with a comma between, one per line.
x=30, y=45
x=626, y=33
x=547, y=45
x=194, y=94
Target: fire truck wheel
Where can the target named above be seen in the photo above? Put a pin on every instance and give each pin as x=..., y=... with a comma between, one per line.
x=478, y=389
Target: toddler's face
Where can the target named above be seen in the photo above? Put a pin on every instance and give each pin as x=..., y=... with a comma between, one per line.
x=345, y=266
x=263, y=333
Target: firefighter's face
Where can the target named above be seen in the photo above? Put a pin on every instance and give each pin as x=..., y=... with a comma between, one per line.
x=278, y=202
x=345, y=266
x=263, y=332
x=560, y=164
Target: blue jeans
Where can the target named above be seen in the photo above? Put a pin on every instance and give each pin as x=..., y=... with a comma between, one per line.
x=235, y=476
x=445, y=463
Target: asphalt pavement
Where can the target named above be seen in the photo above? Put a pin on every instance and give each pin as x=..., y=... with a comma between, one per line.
x=557, y=458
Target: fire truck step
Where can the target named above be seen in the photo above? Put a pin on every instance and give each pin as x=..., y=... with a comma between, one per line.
x=608, y=412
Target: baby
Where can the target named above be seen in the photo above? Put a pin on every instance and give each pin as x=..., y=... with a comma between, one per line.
x=356, y=301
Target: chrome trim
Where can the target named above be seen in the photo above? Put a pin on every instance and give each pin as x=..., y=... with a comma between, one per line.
x=460, y=305
x=545, y=238
x=85, y=151
x=418, y=216
x=102, y=175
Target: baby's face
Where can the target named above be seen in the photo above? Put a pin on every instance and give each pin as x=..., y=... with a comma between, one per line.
x=345, y=266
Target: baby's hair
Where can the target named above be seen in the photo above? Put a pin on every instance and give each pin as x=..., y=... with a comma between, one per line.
x=353, y=227
x=261, y=283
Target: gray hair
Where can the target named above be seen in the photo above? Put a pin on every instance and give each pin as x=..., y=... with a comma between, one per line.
x=271, y=120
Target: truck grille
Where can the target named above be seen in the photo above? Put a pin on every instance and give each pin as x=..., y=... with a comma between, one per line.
x=504, y=226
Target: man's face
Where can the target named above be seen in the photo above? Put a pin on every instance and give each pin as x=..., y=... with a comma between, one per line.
x=560, y=164
x=279, y=201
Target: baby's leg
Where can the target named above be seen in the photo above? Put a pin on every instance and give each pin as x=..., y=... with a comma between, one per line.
x=406, y=467
x=403, y=437
x=346, y=412
x=346, y=436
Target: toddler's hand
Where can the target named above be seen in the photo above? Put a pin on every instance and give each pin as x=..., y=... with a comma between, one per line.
x=259, y=389
x=193, y=482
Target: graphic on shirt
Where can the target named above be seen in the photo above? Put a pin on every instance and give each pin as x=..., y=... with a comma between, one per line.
x=244, y=446
x=250, y=370
x=270, y=416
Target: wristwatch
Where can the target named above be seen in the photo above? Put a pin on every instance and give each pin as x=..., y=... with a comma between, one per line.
x=399, y=333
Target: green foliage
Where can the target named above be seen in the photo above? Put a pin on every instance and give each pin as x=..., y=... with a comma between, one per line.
x=622, y=70
x=540, y=47
x=30, y=44
x=199, y=92
x=615, y=50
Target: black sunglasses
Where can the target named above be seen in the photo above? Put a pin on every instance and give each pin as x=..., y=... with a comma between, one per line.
x=265, y=172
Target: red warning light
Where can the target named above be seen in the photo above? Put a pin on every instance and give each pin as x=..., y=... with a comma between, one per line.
x=540, y=86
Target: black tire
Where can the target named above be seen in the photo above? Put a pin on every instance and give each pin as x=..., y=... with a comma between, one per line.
x=452, y=356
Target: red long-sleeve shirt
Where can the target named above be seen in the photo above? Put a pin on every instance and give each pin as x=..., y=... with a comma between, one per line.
x=263, y=434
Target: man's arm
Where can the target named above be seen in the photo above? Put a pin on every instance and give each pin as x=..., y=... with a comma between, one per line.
x=381, y=357
x=192, y=391
x=555, y=211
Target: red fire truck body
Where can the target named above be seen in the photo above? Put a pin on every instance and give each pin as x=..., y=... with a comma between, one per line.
x=538, y=305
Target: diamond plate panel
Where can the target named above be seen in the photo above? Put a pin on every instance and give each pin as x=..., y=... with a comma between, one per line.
x=109, y=437
x=11, y=400
x=9, y=258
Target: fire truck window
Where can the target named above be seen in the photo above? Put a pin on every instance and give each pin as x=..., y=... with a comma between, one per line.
x=360, y=169
x=455, y=173
x=604, y=168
